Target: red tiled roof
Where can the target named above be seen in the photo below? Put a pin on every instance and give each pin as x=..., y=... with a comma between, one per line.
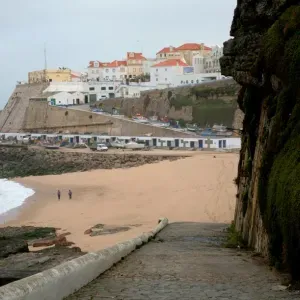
x=171, y=63
x=166, y=50
x=135, y=55
x=92, y=64
x=193, y=46
x=117, y=63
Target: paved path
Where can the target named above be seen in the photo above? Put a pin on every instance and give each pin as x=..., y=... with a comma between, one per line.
x=186, y=261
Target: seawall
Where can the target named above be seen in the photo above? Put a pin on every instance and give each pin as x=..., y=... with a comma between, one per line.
x=206, y=103
x=40, y=117
x=13, y=115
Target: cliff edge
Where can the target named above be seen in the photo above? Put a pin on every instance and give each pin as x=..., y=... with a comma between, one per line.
x=264, y=58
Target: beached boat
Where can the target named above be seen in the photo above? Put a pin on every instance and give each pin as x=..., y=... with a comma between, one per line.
x=140, y=119
x=117, y=144
x=134, y=146
x=51, y=147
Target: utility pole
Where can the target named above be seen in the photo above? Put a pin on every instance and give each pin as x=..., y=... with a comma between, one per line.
x=45, y=63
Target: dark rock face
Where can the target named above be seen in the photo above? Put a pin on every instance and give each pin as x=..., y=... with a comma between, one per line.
x=264, y=57
x=16, y=262
x=21, y=162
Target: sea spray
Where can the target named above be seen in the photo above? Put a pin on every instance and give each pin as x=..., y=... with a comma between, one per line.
x=12, y=195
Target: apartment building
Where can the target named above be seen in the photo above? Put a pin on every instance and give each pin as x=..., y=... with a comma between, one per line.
x=115, y=71
x=55, y=75
x=135, y=64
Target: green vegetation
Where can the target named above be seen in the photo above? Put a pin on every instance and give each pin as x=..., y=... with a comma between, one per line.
x=234, y=239
x=39, y=232
x=180, y=101
x=209, y=104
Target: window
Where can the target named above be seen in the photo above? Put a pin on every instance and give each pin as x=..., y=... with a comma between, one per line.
x=166, y=69
x=106, y=70
x=156, y=79
x=156, y=70
x=197, y=81
x=111, y=88
x=192, y=81
x=133, y=61
x=97, y=71
x=114, y=70
x=91, y=88
x=121, y=76
x=165, y=55
x=187, y=82
x=103, y=88
x=161, y=55
x=134, y=69
x=182, y=82
x=96, y=64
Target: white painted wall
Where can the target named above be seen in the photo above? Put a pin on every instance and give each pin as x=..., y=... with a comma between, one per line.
x=62, y=98
x=67, y=87
x=113, y=74
x=164, y=75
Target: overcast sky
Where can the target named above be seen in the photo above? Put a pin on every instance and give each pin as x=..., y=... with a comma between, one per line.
x=77, y=31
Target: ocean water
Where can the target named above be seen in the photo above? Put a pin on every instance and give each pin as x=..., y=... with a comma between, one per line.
x=12, y=195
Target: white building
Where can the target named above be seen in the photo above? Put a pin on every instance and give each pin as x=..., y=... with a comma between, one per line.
x=164, y=71
x=115, y=71
x=212, y=61
x=65, y=98
x=199, y=64
x=103, y=90
x=147, y=64
x=95, y=70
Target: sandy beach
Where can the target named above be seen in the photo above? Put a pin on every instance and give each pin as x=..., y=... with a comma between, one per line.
x=197, y=189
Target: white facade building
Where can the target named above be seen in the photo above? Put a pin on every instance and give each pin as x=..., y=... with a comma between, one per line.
x=164, y=72
x=65, y=98
x=147, y=64
x=115, y=71
x=212, y=61
x=199, y=63
x=95, y=70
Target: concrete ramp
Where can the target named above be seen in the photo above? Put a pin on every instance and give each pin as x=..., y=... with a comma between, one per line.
x=12, y=116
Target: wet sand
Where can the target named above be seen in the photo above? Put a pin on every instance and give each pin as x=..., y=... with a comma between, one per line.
x=197, y=189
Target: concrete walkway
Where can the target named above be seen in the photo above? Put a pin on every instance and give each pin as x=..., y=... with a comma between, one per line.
x=186, y=261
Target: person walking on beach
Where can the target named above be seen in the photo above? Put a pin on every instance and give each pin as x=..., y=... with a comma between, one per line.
x=58, y=194
x=70, y=194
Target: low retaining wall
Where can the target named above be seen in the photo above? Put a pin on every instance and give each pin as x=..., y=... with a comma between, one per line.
x=65, y=279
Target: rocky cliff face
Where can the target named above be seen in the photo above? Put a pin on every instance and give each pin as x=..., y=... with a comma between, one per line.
x=264, y=58
x=203, y=104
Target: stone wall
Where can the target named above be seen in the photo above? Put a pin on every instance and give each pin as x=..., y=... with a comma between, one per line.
x=21, y=162
x=40, y=117
x=13, y=114
x=264, y=57
x=204, y=104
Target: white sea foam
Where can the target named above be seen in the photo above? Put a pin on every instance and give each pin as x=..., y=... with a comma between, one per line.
x=12, y=195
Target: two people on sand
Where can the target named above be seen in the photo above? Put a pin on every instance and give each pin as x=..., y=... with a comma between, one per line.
x=59, y=194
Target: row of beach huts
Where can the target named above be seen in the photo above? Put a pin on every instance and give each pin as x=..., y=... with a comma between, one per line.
x=150, y=141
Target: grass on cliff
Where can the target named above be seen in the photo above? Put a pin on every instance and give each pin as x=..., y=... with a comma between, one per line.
x=234, y=238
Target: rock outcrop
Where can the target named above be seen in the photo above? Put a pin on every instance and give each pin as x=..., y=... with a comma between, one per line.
x=264, y=58
x=17, y=261
x=21, y=162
